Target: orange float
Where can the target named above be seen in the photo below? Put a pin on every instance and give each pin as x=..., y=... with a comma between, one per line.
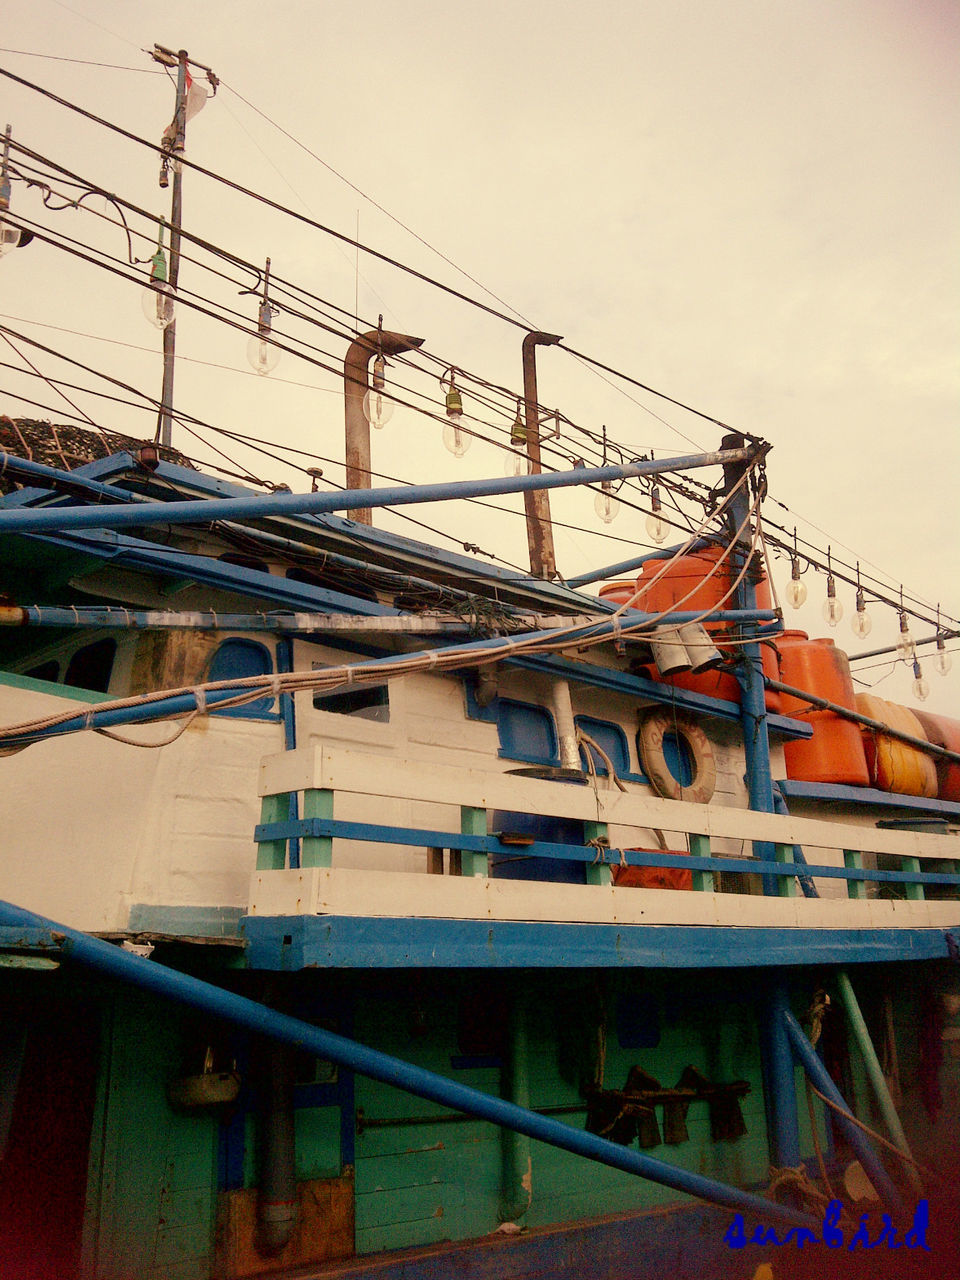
x=835, y=752
x=943, y=732
x=684, y=585
x=618, y=592
x=895, y=766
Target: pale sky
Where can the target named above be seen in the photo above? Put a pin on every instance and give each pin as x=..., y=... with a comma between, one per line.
x=751, y=206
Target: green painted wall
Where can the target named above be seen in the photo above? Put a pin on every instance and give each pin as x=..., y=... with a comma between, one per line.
x=423, y=1183
x=151, y=1198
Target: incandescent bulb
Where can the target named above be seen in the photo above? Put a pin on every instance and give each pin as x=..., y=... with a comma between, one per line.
x=943, y=662
x=861, y=623
x=605, y=504
x=455, y=438
x=656, y=528
x=262, y=355
x=921, y=689
x=906, y=648
x=796, y=593
x=377, y=408
x=832, y=608
x=157, y=302
x=516, y=463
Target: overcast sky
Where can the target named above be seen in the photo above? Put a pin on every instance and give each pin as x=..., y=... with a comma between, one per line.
x=751, y=205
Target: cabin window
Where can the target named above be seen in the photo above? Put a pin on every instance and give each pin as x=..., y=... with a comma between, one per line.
x=234, y=660
x=366, y=703
x=611, y=739
x=90, y=667
x=331, y=582
x=244, y=562
x=526, y=732
x=49, y=670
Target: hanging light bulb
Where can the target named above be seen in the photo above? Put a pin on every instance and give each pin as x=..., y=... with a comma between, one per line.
x=261, y=353
x=516, y=462
x=796, y=592
x=906, y=648
x=157, y=298
x=605, y=504
x=861, y=623
x=378, y=407
x=943, y=662
x=832, y=608
x=921, y=689
x=455, y=438
x=656, y=525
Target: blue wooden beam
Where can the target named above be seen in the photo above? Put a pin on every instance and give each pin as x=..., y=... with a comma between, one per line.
x=392, y=943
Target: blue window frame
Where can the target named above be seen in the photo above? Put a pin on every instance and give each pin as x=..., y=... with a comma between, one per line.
x=611, y=739
x=235, y=659
x=526, y=732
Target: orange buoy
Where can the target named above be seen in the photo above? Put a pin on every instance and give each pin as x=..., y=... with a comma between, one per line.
x=895, y=766
x=835, y=752
x=943, y=732
x=684, y=584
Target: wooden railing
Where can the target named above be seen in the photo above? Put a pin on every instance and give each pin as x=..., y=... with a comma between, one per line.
x=320, y=776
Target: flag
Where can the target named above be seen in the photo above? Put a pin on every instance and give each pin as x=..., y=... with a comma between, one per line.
x=194, y=100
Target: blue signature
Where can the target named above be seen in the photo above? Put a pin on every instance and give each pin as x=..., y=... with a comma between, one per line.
x=831, y=1234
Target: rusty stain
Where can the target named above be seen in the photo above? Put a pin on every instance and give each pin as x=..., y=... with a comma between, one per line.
x=413, y=1151
x=439, y=1211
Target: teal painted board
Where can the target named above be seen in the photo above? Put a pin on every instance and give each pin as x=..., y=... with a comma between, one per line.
x=154, y=1182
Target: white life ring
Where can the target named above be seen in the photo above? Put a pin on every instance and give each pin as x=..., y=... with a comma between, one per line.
x=653, y=728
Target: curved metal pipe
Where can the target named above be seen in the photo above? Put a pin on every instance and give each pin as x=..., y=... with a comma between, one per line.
x=359, y=354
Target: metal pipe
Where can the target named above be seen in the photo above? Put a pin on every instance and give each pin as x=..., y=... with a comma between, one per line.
x=875, y=1073
x=170, y=984
x=636, y=562
x=27, y=469
x=866, y=722
x=536, y=504
x=290, y=504
x=857, y=1139
x=561, y=705
x=359, y=354
x=277, y=1199
x=944, y=634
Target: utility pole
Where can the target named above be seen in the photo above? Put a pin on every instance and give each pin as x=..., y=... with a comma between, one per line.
x=536, y=503
x=173, y=143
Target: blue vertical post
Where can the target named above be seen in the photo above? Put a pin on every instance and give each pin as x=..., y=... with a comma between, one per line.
x=753, y=707
x=289, y=716
x=783, y=1124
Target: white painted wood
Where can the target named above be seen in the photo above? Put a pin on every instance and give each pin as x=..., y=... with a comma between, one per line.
x=402, y=895
x=335, y=768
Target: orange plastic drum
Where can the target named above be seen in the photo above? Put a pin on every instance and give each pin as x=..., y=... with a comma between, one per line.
x=653, y=877
x=682, y=586
x=835, y=752
x=895, y=766
x=943, y=732
x=618, y=592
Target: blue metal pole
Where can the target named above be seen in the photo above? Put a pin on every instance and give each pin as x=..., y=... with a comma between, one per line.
x=26, y=469
x=177, y=704
x=287, y=504
x=635, y=562
x=169, y=984
x=783, y=1122
x=819, y=1076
